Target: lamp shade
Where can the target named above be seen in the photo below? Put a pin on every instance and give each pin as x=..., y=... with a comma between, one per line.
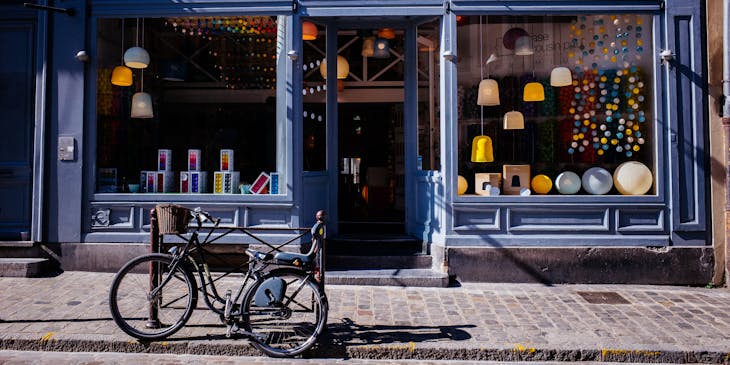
x=122, y=76
x=481, y=149
x=488, y=93
x=523, y=46
x=142, y=106
x=514, y=120
x=541, y=184
x=462, y=185
x=343, y=68
x=368, y=46
x=510, y=36
x=309, y=31
x=534, y=91
x=381, y=48
x=136, y=57
x=560, y=76
x=386, y=33
x=597, y=181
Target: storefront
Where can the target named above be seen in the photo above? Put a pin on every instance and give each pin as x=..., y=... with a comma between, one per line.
x=548, y=140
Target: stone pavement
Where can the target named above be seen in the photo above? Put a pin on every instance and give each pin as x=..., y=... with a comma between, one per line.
x=505, y=322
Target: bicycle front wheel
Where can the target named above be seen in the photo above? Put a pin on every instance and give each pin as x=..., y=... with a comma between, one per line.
x=291, y=325
x=150, y=301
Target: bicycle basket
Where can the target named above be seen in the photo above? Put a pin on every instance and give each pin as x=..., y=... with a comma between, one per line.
x=270, y=293
x=172, y=219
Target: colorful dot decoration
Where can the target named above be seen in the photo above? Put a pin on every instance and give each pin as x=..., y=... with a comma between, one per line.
x=606, y=102
x=242, y=49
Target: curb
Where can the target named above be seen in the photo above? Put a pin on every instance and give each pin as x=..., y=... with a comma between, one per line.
x=226, y=347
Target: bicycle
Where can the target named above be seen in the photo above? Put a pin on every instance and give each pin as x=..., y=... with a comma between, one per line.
x=282, y=311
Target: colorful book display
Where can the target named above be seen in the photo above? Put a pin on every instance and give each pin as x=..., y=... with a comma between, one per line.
x=194, y=181
x=225, y=181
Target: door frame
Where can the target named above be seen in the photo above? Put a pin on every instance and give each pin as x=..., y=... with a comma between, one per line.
x=410, y=111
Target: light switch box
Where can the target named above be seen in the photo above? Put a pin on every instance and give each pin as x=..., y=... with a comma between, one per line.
x=66, y=148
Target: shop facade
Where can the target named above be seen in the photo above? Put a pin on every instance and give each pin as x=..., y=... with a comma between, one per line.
x=444, y=123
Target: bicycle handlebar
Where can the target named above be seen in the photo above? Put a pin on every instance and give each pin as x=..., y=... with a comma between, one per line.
x=198, y=213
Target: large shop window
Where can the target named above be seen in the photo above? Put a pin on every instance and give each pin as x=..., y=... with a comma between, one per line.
x=188, y=105
x=557, y=105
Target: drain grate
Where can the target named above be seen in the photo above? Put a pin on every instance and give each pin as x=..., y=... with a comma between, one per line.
x=603, y=297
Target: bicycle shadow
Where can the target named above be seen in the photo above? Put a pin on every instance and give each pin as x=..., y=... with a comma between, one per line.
x=339, y=336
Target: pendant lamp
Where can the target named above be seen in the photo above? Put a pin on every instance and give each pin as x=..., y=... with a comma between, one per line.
x=381, y=48
x=523, y=46
x=343, y=68
x=142, y=103
x=386, y=33
x=122, y=75
x=368, y=47
x=309, y=31
x=488, y=88
x=137, y=57
x=560, y=76
x=514, y=120
x=534, y=91
x=481, y=146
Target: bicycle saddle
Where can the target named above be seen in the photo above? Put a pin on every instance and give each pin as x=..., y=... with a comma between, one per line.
x=259, y=255
x=294, y=259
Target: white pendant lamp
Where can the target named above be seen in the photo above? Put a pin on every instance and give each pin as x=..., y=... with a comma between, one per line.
x=142, y=106
x=514, y=120
x=488, y=93
x=561, y=76
x=137, y=57
x=488, y=88
x=523, y=46
x=142, y=103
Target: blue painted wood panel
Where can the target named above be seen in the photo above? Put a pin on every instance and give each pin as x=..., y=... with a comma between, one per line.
x=544, y=7
x=17, y=75
x=129, y=8
x=371, y=7
x=687, y=115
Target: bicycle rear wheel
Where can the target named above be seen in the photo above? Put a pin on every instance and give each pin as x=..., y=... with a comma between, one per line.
x=291, y=327
x=143, y=315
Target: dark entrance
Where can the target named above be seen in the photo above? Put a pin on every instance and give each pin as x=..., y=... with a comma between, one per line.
x=371, y=181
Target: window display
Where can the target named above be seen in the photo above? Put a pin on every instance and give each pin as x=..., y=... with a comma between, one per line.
x=556, y=104
x=197, y=87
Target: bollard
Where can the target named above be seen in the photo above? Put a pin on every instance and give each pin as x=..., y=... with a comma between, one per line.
x=319, y=233
x=152, y=318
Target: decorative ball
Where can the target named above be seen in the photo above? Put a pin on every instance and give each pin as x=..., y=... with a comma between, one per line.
x=462, y=185
x=567, y=182
x=541, y=184
x=633, y=178
x=597, y=181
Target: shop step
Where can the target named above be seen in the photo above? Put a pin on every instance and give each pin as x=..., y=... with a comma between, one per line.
x=374, y=245
x=388, y=277
x=352, y=262
x=23, y=267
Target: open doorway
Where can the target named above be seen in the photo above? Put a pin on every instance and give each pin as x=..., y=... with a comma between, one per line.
x=371, y=184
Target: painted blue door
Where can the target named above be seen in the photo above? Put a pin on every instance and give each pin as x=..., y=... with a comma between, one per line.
x=16, y=122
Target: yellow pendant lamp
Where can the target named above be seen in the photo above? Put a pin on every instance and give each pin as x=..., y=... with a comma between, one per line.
x=122, y=75
x=343, y=68
x=481, y=146
x=534, y=91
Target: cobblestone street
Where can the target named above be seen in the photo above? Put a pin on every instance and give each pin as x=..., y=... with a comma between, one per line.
x=471, y=322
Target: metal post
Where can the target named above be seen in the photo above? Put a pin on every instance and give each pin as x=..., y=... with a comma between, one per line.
x=726, y=125
x=322, y=239
x=153, y=319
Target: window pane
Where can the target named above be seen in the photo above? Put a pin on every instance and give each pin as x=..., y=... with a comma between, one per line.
x=575, y=136
x=211, y=84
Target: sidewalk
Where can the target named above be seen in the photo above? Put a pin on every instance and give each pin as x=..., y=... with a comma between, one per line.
x=473, y=322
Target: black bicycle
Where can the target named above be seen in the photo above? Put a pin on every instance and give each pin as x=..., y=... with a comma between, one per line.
x=280, y=306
